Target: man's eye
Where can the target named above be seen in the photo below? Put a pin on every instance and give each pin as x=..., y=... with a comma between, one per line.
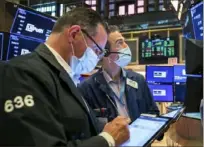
x=118, y=46
x=120, y=42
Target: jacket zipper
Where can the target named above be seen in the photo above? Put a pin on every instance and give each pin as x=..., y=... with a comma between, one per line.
x=112, y=104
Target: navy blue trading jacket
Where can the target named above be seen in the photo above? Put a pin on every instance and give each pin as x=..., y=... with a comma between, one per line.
x=99, y=95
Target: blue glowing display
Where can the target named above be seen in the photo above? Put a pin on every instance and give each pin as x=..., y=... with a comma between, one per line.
x=32, y=24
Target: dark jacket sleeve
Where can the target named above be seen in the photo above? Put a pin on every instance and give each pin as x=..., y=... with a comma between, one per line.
x=153, y=109
x=85, y=91
x=29, y=115
x=87, y=94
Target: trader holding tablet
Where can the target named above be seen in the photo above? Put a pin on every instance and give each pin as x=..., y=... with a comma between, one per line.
x=114, y=91
x=40, y=104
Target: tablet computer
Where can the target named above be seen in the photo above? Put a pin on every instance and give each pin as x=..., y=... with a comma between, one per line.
x=174, y=115
x=193, y=115
x=146, y=129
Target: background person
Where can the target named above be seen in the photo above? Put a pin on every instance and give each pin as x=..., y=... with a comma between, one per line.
x=114, y=91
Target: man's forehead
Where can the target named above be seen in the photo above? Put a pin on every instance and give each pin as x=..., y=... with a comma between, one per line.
x=115, y=36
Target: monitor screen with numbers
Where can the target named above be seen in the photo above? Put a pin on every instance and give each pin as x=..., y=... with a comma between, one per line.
x=19, y=45
x=157, y=51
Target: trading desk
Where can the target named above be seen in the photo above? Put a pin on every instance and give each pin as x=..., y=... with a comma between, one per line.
x=187, y=131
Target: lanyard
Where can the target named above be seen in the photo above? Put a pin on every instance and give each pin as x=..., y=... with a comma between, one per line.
x=122, y=91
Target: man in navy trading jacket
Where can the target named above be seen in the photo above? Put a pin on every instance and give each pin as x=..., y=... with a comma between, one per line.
x=114, y=91
x=39, y=102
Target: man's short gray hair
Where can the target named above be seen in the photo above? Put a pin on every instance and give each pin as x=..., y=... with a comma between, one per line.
x=113, y=28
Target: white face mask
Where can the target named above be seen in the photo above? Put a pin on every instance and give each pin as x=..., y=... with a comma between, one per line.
x=86, y=63
x=124, y=58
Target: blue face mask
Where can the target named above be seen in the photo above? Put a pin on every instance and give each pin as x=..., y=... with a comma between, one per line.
x=125, y=56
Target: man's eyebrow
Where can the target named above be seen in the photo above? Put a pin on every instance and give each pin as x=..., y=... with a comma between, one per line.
x=118, y=40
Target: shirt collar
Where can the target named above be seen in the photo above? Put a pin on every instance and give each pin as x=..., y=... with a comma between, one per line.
x=60, y=60
x=65, y=65
x=108, y=77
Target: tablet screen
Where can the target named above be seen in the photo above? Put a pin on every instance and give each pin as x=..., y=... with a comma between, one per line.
x=174, y=114
x=171, y=114
x=144, y=129
x=195, y=115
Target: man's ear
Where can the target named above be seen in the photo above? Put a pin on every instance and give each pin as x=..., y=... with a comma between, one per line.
x=72, y=32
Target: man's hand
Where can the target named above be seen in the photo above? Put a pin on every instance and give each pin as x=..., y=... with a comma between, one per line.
x=118, y=129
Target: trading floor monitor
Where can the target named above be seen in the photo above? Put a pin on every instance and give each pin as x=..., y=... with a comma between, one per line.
x=180, y=73
x=193, y=26
x=157, y=50
x=159, y=74
x=197, y=20
x=19, y=45
x=27, y=22
x=180, y=92
x=162, y=93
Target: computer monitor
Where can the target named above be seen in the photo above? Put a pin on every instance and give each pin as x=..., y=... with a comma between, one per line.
x=194, y=56
x=1, y=45
x=160, y=74
x=157, y=50
x=188, y=32
x=180, y=92
x=193, y=22
x=197, y=20
x=19, y=45
x=179, y=73
x=162, y=93
x=194, y=94
x=28, y=22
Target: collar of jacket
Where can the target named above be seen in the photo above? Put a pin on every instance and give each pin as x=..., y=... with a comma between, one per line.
x=103, y=85
x=100, y=80
x=44, y=52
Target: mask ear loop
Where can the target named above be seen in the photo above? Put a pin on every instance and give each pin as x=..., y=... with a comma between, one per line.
x=84, y=39
x=72, y=49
